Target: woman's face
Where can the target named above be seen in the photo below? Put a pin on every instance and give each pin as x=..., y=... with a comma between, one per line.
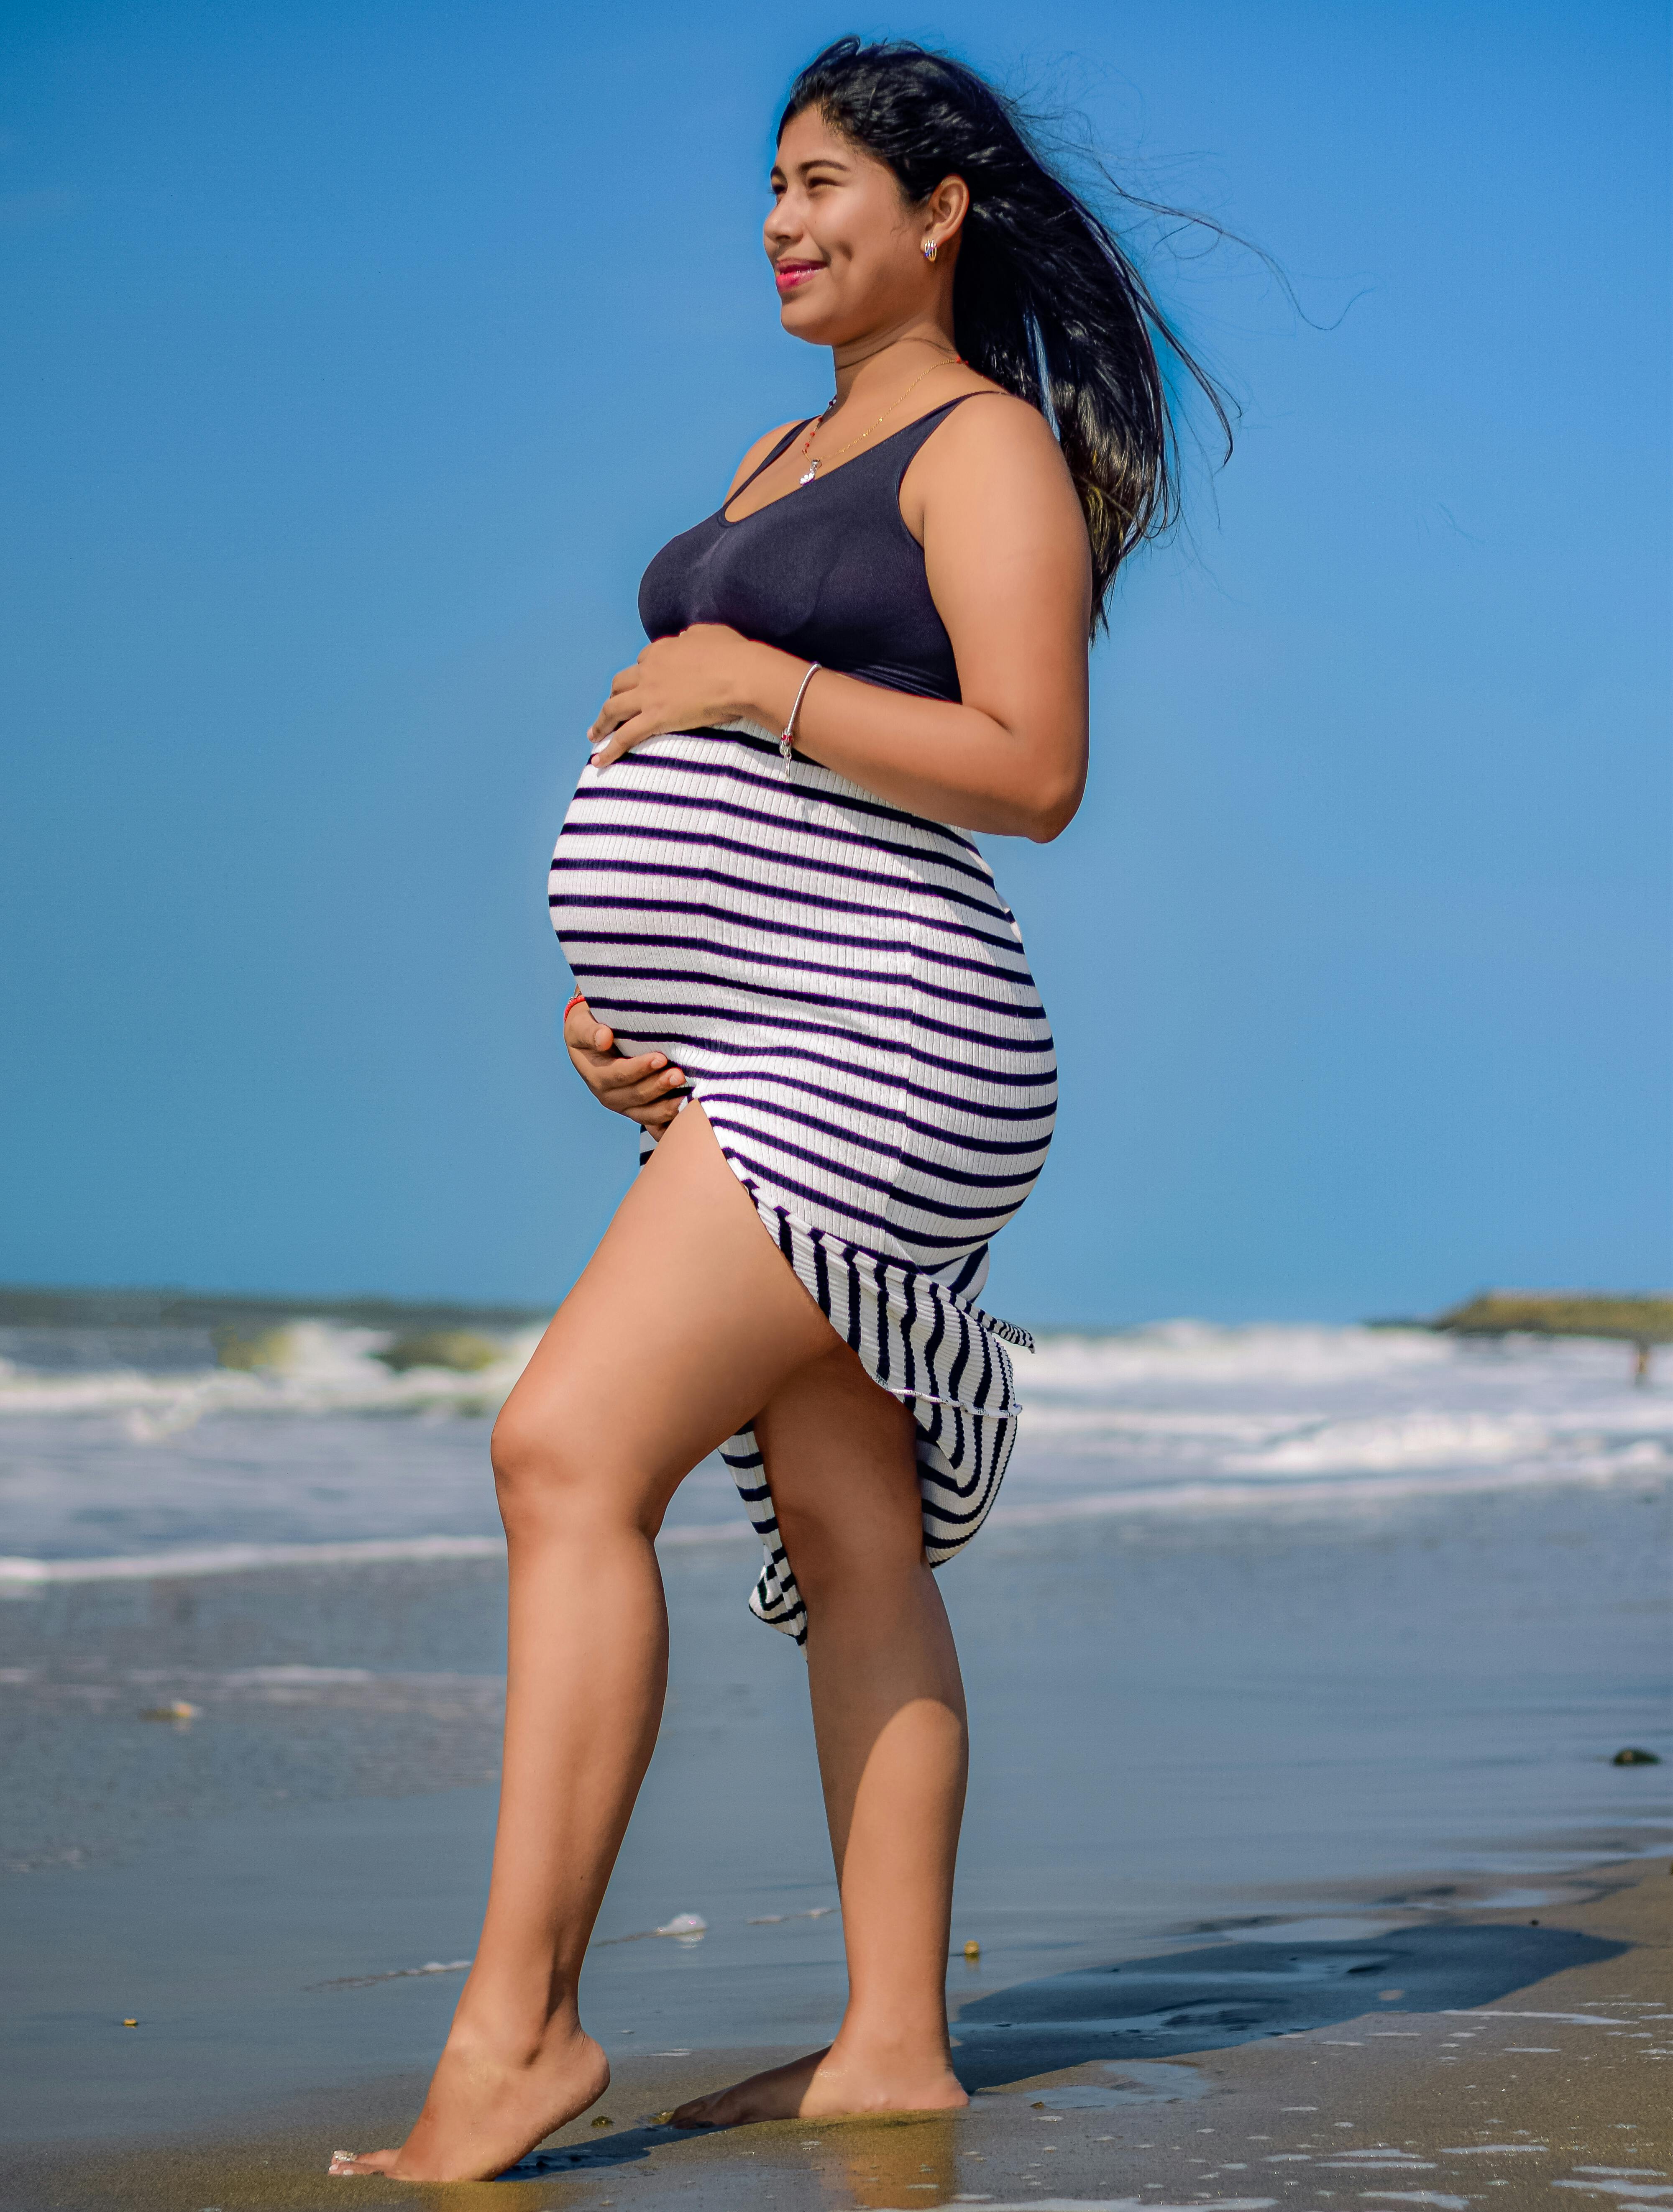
x=846, y=249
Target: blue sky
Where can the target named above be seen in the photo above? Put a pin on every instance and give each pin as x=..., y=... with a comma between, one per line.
x=360, y=356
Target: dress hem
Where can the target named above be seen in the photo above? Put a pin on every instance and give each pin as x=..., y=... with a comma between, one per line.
x=917, y=1348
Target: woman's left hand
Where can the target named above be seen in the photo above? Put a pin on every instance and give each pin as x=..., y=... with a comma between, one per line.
x=690, y=682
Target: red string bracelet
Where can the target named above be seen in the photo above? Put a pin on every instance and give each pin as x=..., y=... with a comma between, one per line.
x=580, y=999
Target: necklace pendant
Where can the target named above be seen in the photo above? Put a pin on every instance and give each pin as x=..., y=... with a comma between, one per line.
x=808, y=474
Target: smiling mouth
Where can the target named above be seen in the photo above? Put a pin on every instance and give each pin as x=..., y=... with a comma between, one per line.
x=790, y=274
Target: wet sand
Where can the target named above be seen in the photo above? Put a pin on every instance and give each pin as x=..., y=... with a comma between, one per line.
x=1234, y=1780
x=1498, y=2059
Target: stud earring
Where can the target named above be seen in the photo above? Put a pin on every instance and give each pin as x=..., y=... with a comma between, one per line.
x=929, y=249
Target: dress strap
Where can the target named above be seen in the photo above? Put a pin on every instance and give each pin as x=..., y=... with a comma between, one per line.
x=783, y=446
x=910, y=445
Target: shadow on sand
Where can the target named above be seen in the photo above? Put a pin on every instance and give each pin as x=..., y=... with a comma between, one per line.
x=1232, y=1993
x=1203, y=2000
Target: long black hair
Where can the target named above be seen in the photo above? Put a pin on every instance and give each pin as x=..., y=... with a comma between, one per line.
x=1046, y=301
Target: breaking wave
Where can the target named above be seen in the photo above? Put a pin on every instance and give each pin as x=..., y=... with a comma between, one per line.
x=333, y=1451
x=307, y=1367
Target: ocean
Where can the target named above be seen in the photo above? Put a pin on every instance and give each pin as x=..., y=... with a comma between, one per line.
x=126, y=1451
x=1277, y=1633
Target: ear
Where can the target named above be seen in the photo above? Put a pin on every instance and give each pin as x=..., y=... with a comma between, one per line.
x=946, y=208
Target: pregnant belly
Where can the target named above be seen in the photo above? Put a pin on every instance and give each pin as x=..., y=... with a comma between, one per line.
x=700, y=897
x=842, y=984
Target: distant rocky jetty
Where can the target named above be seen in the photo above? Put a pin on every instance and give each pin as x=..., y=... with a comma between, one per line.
x=1640, y=1319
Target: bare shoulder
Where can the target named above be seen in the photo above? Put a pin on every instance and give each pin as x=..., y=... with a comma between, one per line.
x=759, y=451
x=994, y=448
x=992, y=437
x=994, y=421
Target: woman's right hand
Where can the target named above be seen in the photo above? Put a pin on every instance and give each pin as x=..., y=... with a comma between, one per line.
x=644, y=1088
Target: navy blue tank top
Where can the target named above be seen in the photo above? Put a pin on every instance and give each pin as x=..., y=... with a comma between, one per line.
x=830, y=571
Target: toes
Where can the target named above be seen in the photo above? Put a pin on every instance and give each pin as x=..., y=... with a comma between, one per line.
x=346, y=2164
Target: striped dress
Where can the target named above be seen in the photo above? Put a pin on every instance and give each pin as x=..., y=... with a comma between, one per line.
x=848, y=997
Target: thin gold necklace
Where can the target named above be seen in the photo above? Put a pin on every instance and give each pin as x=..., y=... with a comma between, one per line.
x=813, y=468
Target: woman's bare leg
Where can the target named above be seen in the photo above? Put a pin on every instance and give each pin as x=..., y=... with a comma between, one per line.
x=889, y=1715
x=686, y=1320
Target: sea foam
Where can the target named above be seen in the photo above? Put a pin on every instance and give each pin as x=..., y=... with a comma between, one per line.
x=325, y=1458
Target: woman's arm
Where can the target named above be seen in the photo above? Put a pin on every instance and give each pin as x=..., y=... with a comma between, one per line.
x=641, y=1085
x=1005, y=552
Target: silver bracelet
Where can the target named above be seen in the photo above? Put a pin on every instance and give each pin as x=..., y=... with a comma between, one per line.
x=786, y=735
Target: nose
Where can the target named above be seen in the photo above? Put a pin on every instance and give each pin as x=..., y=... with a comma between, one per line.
x=781, y=229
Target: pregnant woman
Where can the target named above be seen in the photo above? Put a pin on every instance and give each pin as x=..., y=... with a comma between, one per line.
x=797, y=975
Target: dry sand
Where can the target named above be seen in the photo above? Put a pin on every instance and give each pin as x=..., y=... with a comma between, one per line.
x=1554, y=2095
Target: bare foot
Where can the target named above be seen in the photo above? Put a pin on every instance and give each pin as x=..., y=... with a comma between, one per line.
x=484, y=2111
x=829, y=2085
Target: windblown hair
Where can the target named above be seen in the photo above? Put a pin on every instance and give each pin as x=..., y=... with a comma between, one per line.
x=1046, y=301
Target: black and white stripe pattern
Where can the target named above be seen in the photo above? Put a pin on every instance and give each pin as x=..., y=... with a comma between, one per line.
x=848, y=997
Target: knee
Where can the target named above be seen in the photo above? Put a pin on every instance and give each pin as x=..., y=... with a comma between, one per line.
x=542, y=1476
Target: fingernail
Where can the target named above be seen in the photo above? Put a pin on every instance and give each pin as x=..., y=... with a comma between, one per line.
x=673, y=1076
x=657, y=1061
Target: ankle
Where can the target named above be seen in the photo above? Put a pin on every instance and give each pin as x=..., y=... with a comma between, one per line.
x=885, y=2043
x=514, y=2034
